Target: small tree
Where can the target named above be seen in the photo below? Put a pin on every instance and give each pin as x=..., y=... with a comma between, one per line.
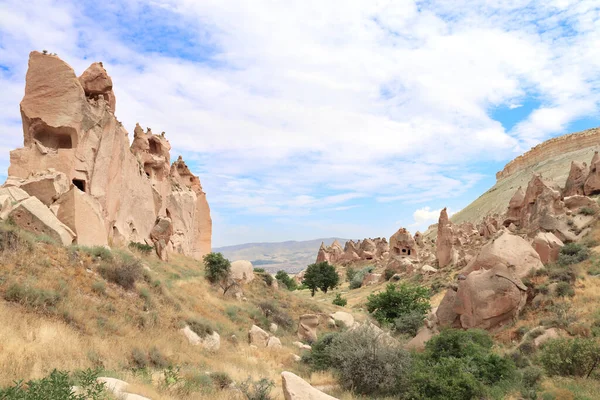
x=320, y=276
x=217, y=270
x=398, y=301
x=285, y=279
x=339, y=301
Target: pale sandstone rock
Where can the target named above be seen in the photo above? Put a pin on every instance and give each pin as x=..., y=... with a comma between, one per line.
x=47, y=186
x=296, y=357
x=210, y=342
x=118, y=388
x=445, y=252
x=549, y=334
x=446, y=316
x=161, y=236
x=33, y=216
x=548, y=246
x=419, y=341
x=343, y=317
x=258, y=337
x=576, y=179
x=273, y=328
x=428, y=269
x=274, y=343
x=242, y=271
x=295, y=388
x=82, y=214
x=592, y=183
x=96, y=82
x=302, y=346
x=507, y=249
x=489, y=298
x=307, y=327
x=403, y=244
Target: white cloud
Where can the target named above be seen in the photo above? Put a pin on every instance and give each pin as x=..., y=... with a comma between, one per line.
x=425, y=216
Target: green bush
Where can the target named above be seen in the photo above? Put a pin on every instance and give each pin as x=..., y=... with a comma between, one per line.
x=37, y=298
x=57, y=386
x=573, y=253
x=321, y=276
x=286, y=280
x=409, y=324
x=257, y=390
x=259, y=270
x=358, y=277
x=339, y=301
x=350, y=272
x=157, y=359
x=268, y=278
x=11, y=240
x=124, y=271
x=564, y=289
x=398, y=301
x=570, y=357
x=319, y=358
x=368, y=364
x=273, y=313
x=141, y=247
x=221, y=380
x=100, y=252
x=587, y=211
x=201, y=327
x=216, y=267
x=532, y=377
x=139, y=358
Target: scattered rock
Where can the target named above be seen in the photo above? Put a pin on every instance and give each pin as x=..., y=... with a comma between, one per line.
x=273, y=343
x=33, y=216
x=273, y=327
x=344, y=318
x=295, y=388
x=258, y=337
x=307, y=327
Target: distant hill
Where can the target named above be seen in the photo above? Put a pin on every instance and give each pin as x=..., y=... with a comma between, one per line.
x=291, y=256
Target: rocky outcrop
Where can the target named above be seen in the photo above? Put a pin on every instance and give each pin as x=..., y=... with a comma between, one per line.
x=72, y=141
x=402, y=244
x=576, y=179
x=161, y=236
x=258, y=337
x=367, y=249
x=550, y=149
x=548, y=246
x=307, y=327
x=592, y=182
x=242, y=271
x=295, y=388
x=344, y=318
x=445, y=252
x=210, y=342
x=490, y=298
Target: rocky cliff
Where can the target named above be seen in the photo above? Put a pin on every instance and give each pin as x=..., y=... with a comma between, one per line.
x=71, y=135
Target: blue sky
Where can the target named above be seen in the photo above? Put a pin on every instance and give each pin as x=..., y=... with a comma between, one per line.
x=315, y=119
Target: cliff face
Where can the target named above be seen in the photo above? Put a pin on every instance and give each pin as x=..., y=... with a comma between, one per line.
x=70, y=129
x=550, y=149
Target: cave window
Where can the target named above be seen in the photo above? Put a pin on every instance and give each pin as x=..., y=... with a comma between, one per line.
x=79, y=184
x=154, y=147
x=54, y=140
x=409, y=252
x=404, y=250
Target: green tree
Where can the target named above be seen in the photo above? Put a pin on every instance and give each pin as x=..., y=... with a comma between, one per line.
x=320, y=276
x=284, y=278
x=398, y=301
x=339, y=301
x=217, y=269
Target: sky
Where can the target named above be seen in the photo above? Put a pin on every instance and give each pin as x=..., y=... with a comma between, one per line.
x=307, y=119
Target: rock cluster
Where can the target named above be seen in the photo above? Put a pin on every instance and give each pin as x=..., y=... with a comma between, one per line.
x=367, y=249
x=77, y=163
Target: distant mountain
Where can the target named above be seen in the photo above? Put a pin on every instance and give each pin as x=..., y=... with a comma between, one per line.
x=291, y=256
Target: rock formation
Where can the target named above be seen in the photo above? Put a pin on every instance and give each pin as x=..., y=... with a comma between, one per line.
x=77, y=161
x=576, y=179
x=367, y=249
x=307, y=327
x=242, y=271
x=548, y=246
x=445, y=252
x=402, y=244
x=592, y=182
x=295, y=388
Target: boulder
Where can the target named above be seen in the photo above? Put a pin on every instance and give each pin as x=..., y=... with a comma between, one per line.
x=161, y=236
x=242, y=271
x=273, y=328
x=47, y=186
x=210, y=342
x=507, y=249
x=343, y=317
x=428, y=269
x=33, y=216
x=273, y=343
x=83, y=215
x=418, y=342
x=258, y=337
x=118, y=387
x=576, y=202
x=489, y=298
x=302, y=346
x=549, y=334
x=548, y=246
x=307, y=327
x=96, y=82
x=295, y=388
x=445, y=313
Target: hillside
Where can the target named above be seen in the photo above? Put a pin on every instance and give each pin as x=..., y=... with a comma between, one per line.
x=291, y=256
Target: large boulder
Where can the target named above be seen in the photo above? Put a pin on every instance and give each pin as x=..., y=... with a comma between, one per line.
x=307, y=327
x=33, y=216
x=489, y=298
x=258, y=336
x=161, y=235
x=47, y=186
x=507, y=249
x=274, y=343
x=445, y=313
x=210, y=342
x=548, y=246
x=83, y=215
x=242, y=271
x=96, y=82
x=295, y=388
x=344, y=318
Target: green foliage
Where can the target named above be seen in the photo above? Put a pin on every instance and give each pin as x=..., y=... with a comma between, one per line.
x=358, y=277
x=319, y=358
x=530, y=381
x=216, y=267
x=286, y=280
x=350, y=272
x=459, y=365
x=221, y=380
x=201, y=327
x=273, y=313
x=564, y=289
x=388, y=273
x=573, y=253
x=57, y=386
x=587, y=211
x=257, y=390
x=100, y=252
x=268, y=278
x=409, y=324
x=11, y=240
x=171, y=377
x=339, y=301
x=570, y=357
x=368, y=364
x=141, y=247
x=259, y=270
x=398, y=301
x=320, y=276
x=37, y=298
x=123, y=270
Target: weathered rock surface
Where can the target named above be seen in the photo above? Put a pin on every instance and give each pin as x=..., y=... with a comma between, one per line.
x=295, y=388
x=118, y=388
x=83, y=215
x=33, y=216
x=258, y=337
x=445, y=252
x=70, y=130
x=402, y=244
x=242, y=271
x=274, y=343
x=548, y=246
x=307, y=327
x=344, y=318
x=210, y=342
x=161, y=236
x=576, y=179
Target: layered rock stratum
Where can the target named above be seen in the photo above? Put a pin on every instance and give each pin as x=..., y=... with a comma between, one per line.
x=77, y=160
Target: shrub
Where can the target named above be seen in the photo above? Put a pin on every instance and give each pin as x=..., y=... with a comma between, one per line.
x=398, y=301
x=587, y=211
x=201, y=327
x=139, y=358
x=570, y=357
x=157, y=359
x=56, y=386
x=221, y=380
x=321, y=276
x=259, y=270
x=350, y=272
x=141, y=247
x=339, y=301
x=10, y=240
x=564, y=289
x=388, y=273
x=368, y=364
x=124, y=272
x=100, y=252
x=409, y=324
x=37, y=298
x=573, y=253
x=275, y=314
x=268, y=278
x=561, y=274
x=358, y=277
x=216, y=267
x=99, y=287
x=257, y=390
x=319, y=358
x=532, y=377
x=286, y=280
